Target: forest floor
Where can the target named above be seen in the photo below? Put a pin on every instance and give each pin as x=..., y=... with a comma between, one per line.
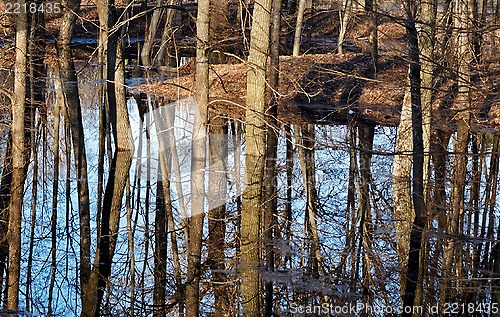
x=319, y=86
x=329, y=88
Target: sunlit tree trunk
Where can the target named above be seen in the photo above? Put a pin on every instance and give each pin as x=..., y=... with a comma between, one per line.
x=198, y=161
x=298, y=27
x=255, y=159
x=401, y=186
x=18, y=163
x=150, y=35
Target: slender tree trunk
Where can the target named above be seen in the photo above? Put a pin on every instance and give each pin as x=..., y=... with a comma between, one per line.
x=371, y=8
x=366, y=136
x=166, y=55
x=412, y=275
x=401, y=187
x=4, y=216
x=161, y=237
x=74, y=119
x=198, y=161
x=426, y=31
x=113, y=195
x=298, y=27
x=162, y=118
x=289, y=191
x=306, y=157
x=55, y=193
x=150, y=35
x=271, y=194
x=18, y=163
x=345, y=16
x=220, y=30
x=131, y=248
x=33, y=220
x=102, y=7
x=217, y=192
x=460, y=146
x=255, y=159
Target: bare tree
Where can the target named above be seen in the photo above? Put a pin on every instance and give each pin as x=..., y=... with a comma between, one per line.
x=255, y=159
x=298, y=27
x=18, y=163
x=198, y=161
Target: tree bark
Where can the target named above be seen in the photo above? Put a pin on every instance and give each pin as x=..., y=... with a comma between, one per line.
x=150, y=35
x=217, y=192
x=117, y=180
x=366, y=136
x=298, y=28
x=271, y=185
x=18, y=162
x=426, y=35
x=345, y=17
x=401, y=187
x=412, y=275
x=255, y=159
x=70, y=88
x=460, y=146
x=198, y=161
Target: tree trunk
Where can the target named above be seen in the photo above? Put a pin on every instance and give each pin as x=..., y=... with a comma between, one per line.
x=161, y=237
x=113, y=195
x=198, y=161
x=55, y=192
x=401, y=187
x=4, y=215
x=217, y=192
x=298, y=27
x=412, y=274
x=18, y=163
x=345, y=17
x=271, y=185
x=167, y=38
x=460, y=146
x=255, y=159
x=150, y=35
x=220, y=30
x=366, y=136
x=70, y=88
x=426, y=44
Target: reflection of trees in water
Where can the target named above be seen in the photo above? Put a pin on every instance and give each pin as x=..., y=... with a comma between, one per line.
x=114, y=229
